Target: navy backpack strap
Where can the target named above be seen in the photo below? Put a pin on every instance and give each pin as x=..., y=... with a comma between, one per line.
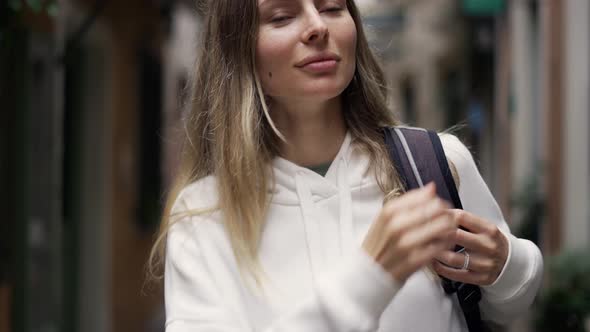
x=419, y=158
x=400, y=161
x=420, y=161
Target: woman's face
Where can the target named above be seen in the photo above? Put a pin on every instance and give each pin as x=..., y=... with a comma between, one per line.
x=305, y=48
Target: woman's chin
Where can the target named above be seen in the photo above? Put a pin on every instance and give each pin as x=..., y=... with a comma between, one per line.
x=321, y=92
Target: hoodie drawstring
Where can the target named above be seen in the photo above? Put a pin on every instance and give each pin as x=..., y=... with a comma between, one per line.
x=311, y=229
x=315, y=251
x=346, y=226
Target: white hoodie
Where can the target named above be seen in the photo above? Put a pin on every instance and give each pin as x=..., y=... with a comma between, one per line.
x=318, y=278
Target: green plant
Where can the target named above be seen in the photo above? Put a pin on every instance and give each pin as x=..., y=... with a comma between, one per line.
x=531, y=204
x=12, y=12
x=37, y=6
x=565, y=304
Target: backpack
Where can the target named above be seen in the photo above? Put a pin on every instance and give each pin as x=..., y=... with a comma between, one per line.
x=419, y=158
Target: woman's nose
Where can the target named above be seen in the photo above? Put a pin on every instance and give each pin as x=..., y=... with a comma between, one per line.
x=316, y=29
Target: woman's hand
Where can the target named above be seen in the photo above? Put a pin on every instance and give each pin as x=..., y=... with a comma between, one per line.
x=410, y=231
x=486, y=246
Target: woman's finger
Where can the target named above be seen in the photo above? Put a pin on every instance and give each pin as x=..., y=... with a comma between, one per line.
x=391, y=226
x=411, y=198
x=472, y=223
x=393, y=223
x=439, y=230
x=464, y=276
x=474, y=242
x=401, y=204
x=456, y=260
x=417, y=259
x=424, y=213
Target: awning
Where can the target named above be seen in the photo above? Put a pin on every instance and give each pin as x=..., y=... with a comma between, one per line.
x=483, y=7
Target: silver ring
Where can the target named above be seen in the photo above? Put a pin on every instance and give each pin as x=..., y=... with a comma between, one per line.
x=466, y=262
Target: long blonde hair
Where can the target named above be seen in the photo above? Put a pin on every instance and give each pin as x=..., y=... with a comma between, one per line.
x=229, y=133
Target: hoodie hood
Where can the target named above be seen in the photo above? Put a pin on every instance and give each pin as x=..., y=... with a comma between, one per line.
x=347, y=165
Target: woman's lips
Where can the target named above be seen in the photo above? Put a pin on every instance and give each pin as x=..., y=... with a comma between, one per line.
x=323, y=62
x=321, y=66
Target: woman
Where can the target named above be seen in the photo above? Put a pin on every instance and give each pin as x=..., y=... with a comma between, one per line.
x=288, y=214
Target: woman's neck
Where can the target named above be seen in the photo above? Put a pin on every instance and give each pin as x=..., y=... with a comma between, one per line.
x=314, y=132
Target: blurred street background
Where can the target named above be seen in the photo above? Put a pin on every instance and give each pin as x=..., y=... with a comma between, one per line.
x=91, y=95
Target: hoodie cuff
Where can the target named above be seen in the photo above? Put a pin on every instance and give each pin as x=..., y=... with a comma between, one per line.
x=360, y=290
x=515, y=273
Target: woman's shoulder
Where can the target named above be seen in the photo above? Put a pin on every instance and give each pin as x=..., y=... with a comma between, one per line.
x=198, y=195
x=457, y=152
x=195, y=210
x=197, y=201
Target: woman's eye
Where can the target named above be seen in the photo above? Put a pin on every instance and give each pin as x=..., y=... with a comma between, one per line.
x=332, y=9
x=280, y=19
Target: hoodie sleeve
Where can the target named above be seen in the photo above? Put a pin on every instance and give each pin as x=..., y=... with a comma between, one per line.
x=517, y=285
x=350, y=298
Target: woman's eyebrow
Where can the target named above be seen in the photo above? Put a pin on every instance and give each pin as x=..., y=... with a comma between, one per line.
x=271, y=3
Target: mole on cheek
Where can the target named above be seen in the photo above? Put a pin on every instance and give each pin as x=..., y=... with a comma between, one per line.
x=270, y=74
